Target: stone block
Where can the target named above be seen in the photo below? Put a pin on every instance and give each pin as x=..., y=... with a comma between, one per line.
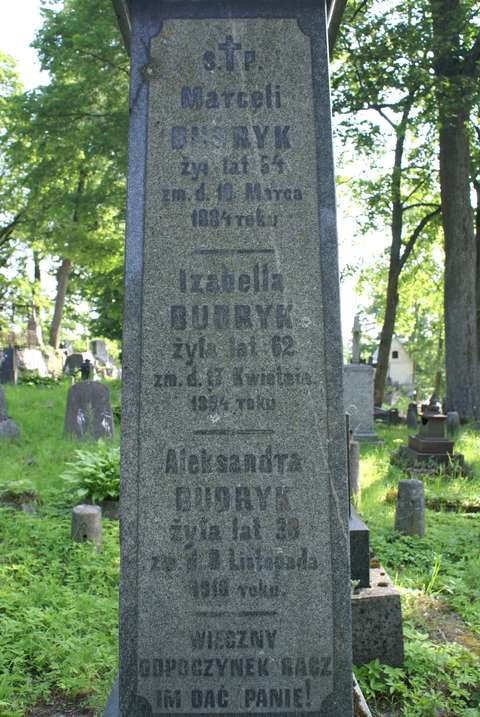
x=410, y=511
x=359, y=550
x=377, y=627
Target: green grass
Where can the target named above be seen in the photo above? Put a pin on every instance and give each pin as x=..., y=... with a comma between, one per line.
x=439, y=580
x=58, y=600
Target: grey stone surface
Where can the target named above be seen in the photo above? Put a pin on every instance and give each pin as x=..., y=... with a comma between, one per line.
x=358, y=400
x=89, y=411
x=377, y=626
x=99, y=350
x=359, y=550
x=87, y=524
x=410, y=511
x=412, y=416
x=113, y=706
x=453, y=423
x=354, y=459
x=8, y=427
x=232, y=359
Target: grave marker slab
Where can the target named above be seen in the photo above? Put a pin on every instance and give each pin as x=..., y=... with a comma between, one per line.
x=358, y=400
x=89, y=411
x=234, y=493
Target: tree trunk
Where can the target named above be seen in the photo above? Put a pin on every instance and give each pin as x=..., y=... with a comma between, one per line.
x=36, y=267
x=63, y=275
x=386, y=334
x=477, y=242
x=394, y=269
x=64, y=270
x=462, y=372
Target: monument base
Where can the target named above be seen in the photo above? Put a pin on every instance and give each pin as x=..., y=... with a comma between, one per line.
x=377, y=627
x=366, y=437
x=412, y=458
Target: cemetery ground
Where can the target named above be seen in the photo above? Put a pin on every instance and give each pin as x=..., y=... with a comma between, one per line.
x=58, y=599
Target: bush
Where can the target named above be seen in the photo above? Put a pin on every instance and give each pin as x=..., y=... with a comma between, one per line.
x=95, y=474
x=32, y=378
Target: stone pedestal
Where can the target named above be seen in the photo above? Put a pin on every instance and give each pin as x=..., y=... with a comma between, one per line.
x=377, y=628
x=430, y=445
x=358, y=400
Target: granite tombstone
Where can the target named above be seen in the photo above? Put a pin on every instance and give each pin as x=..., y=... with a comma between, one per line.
x=358, y=391
x=89, y=411
x=235, y=593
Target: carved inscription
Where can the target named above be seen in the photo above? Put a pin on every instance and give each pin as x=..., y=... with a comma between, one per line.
x=235, y=607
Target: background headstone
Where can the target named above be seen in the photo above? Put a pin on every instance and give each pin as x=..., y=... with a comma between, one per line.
x=8, y=427
x=453, y=423
x=234, y=497
x=73, y=363
x=8, y=365
x=410, y=512
x=89, y=411
x=358, y=400
x=412, y=416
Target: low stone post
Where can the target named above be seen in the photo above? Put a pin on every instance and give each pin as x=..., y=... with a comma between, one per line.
x=453, y=423
x=410, y=513
x=87, y=524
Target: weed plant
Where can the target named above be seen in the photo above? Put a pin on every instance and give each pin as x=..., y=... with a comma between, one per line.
x=58, y=599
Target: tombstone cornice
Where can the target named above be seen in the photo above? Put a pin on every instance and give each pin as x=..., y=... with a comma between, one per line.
x=335, y=10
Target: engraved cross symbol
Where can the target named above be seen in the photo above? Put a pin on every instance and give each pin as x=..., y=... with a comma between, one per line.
x=229, y=46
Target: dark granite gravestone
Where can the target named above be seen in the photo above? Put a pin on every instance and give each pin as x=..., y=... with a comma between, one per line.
x=8, y=365
x=73, y=363
x=412, y=416
x=89, y=411
x=359, y=550
x=410, y=510
x=235, y=593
